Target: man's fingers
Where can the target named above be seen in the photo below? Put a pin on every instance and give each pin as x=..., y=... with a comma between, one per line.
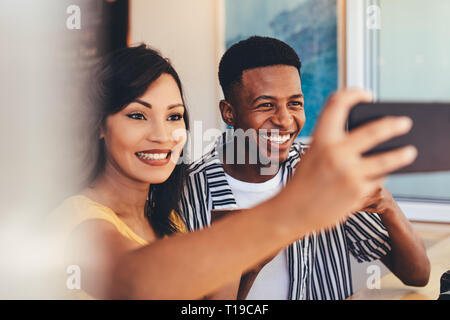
x=335, y=113
x=379, y=165
x=373, y=133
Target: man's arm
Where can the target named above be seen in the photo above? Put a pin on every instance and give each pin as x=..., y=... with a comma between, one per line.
x=407, y=259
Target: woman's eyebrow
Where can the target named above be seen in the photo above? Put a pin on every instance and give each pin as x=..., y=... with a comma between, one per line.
x=175, y=105
x=148, y=105
x=145, y=104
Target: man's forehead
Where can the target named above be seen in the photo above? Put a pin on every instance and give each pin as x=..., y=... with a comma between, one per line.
x=278, y=77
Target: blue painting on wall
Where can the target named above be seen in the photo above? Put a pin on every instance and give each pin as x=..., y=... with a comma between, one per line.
x=309, y=26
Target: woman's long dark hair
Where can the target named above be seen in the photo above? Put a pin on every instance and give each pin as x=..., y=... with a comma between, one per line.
x=120, y=78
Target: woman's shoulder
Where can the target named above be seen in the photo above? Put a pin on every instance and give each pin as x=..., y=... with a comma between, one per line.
x=70, y=232
x=77, y=209
x=178, y=222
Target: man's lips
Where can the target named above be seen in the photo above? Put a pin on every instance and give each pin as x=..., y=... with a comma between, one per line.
x=277, y=139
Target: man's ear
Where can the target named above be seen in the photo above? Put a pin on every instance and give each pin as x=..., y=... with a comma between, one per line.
x=228, y=113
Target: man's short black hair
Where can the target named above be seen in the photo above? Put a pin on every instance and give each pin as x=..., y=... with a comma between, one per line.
x=254, y=52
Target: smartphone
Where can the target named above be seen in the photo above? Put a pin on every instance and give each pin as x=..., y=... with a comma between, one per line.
x=430, y=133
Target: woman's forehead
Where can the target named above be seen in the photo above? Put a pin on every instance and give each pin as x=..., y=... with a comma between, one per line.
x=162, y=91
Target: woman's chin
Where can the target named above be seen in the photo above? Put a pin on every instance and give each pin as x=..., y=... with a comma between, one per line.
x=150, y=178
x=157, y=180
x=154, y=175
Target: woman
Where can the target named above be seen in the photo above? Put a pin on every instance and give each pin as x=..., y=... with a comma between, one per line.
x=138, y=123
x=124, y=227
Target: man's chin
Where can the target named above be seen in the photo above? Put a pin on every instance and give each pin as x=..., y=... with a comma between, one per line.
x=277, y=155
x=273, y=158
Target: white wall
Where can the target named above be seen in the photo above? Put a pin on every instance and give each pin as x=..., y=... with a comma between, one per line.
x=190, y=34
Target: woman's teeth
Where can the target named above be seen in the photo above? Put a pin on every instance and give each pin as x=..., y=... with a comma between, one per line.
x=152, y=156
x=280, y=139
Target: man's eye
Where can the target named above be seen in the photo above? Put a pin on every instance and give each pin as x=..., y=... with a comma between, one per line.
x=175, y=117
x=136, y=116
x=296, y=103
x=266, y=105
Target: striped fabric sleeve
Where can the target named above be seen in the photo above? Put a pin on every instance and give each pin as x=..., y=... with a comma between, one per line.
x=193, y=202
x=367, y=238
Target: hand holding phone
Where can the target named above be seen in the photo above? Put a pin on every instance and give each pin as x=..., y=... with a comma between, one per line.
x=430, y=133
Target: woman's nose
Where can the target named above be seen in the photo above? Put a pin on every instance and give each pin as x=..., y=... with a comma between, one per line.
x=158, y=132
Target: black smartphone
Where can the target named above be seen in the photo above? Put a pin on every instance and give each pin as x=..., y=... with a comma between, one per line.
x=430, y=133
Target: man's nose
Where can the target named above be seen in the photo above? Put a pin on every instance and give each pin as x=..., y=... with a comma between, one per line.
x=283, y=118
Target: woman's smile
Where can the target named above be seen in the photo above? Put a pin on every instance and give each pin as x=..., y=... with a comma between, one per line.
x=154, y=157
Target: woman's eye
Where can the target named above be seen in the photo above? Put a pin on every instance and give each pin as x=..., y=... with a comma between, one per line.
x=175, y=117
x=136, y=116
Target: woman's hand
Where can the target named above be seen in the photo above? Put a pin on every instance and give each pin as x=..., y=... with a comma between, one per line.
x=249, y=277
x=333, y=178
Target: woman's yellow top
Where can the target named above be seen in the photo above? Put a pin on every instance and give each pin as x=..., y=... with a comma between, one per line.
x=79, y=208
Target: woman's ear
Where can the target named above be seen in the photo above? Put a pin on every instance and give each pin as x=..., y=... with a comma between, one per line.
x=101, y=132
x=228, y=113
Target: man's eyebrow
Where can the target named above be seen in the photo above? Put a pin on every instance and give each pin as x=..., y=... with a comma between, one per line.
x=263, y=98
x=296, y=96
x=148, y=105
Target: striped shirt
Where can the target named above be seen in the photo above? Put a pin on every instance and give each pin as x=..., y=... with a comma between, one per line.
x=319, y=263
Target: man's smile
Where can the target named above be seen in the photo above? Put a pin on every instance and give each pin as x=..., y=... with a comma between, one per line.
x=276, y=137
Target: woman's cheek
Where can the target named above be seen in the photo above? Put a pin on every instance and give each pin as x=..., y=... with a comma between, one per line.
x=179, y=136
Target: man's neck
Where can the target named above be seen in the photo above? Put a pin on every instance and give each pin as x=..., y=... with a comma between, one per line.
x=248, y=172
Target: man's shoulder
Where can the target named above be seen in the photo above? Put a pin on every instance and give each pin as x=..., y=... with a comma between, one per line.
x=201, y=164
x=210, y=159
x=295, y=153
x=299, y=147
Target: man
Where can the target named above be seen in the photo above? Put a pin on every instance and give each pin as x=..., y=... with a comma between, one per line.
x=260, y=78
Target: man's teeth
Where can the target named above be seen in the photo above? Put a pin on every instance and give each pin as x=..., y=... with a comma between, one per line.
x=277, y=138
x=152, y=156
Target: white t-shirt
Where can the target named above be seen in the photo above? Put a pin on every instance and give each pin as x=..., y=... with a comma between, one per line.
x=272, y=282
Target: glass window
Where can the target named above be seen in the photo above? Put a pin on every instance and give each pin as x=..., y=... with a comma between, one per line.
x=413, y=64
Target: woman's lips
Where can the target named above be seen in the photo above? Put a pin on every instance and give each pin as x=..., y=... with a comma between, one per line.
x=154, y=157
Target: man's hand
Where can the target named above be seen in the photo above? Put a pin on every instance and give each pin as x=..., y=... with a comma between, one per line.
x=408, y=258
x=381, y=201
